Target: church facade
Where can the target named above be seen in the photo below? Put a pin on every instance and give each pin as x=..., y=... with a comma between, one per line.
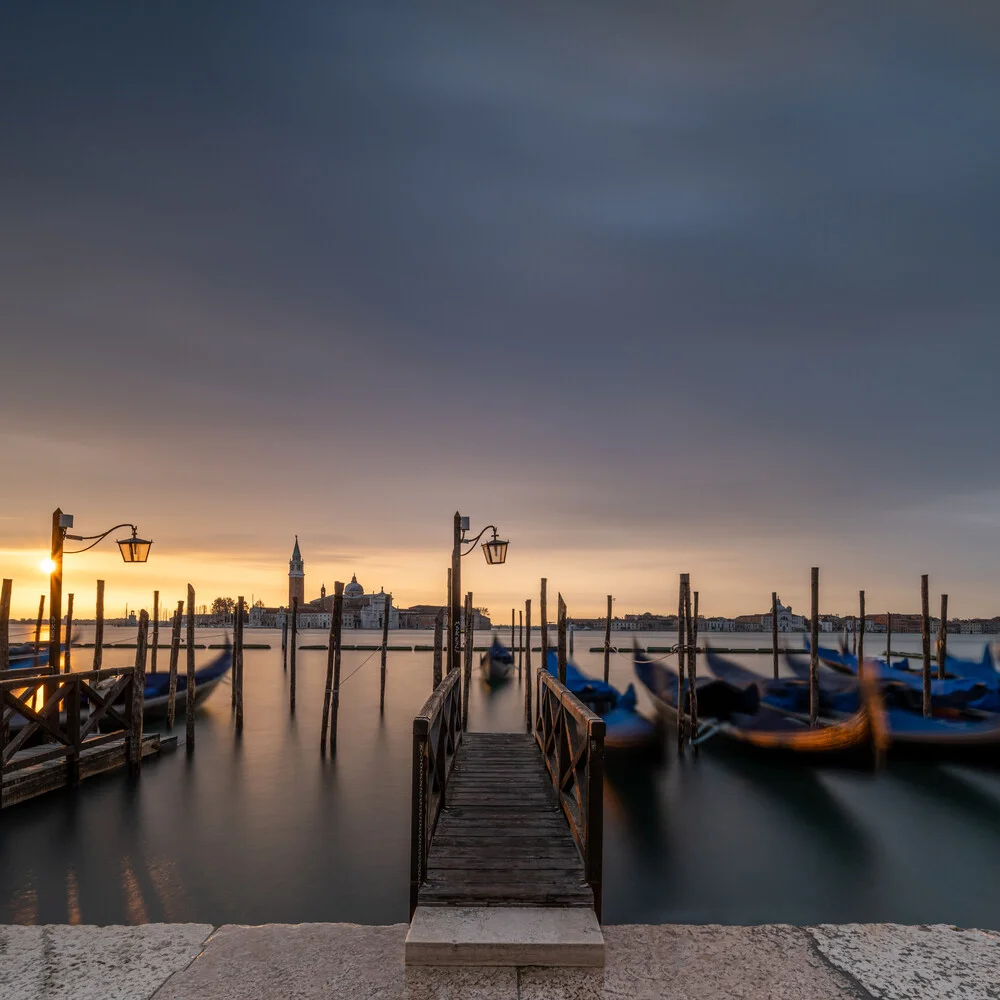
x=360, y=610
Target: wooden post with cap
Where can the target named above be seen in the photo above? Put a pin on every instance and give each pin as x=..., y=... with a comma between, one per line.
x=607, y=642
x=774, y=633
x=528, y=721
x=814, y=648
x=175, y=646
x=561, y=637
x=385, y=649
x=69, y=634
x=99, y=627
x=925, y=638
x=189, y=692
x=942, y=652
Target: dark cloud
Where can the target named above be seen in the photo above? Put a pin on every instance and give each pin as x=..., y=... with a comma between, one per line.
x=743, y=258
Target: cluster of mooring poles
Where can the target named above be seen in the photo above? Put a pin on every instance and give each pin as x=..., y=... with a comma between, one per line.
x=70, y=715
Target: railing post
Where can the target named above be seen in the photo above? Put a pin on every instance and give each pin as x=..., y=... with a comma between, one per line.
x=73, y=729
x=595, y=813
x=418, y=813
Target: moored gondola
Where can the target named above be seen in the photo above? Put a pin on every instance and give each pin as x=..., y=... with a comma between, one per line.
x=626, y=729
x=733, y=716
x=496, y=664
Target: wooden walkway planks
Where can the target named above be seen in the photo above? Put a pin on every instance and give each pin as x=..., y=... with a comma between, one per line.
x=502, y=839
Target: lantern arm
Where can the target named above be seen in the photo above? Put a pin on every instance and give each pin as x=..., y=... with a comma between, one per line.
x=475, y=541
x=99, y=538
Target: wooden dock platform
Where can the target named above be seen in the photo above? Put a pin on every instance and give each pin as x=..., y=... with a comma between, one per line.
x=502, y=838
x=507, y=835
x=30, y=780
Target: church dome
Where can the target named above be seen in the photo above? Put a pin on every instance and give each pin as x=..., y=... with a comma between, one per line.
x=354, y=589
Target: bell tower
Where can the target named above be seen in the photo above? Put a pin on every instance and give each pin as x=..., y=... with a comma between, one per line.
x=296, y=576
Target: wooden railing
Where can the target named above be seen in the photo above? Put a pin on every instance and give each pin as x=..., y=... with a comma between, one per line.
x=571, y=738
x=65, y=710
x=437, y=734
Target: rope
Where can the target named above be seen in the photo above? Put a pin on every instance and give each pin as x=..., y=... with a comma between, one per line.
x=360, y=665
x=659, y=659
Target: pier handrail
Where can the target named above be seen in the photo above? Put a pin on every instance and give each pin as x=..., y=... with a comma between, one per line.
x=571, y=738
x=437, y=735
x=41, y=699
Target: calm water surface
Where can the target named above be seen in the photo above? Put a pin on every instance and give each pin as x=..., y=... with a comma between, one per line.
x=264, y=828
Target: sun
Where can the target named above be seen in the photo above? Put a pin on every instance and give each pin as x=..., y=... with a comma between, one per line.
x=47, y=566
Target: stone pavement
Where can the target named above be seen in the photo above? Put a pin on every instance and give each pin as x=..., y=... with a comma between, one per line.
x=662, y=962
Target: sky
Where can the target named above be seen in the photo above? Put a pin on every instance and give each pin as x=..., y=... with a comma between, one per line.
x=655, y=288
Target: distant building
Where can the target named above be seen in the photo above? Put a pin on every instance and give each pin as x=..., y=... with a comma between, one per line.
x=296, y=577
x=360, y=610
x=787, y=622
x=424, y=616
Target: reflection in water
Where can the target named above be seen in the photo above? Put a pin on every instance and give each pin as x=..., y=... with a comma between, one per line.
x=266, y=828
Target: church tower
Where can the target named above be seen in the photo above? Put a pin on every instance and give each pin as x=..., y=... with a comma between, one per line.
x=296, y=576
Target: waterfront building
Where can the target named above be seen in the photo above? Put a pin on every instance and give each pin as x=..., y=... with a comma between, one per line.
x=422, y=616
x=787, y=622
x=296, y=576
x=360, y=611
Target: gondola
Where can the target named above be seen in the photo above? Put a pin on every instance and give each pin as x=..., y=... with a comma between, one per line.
x=156, y=692
x=956, y=730
x=626, y=730
x=733, y=716
x=789, y=695
x=949, y=692
x=497, y=664
x=22, y=655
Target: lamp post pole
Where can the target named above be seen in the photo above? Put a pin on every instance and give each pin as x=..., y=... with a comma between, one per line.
x=455, y=615
x=55, y=591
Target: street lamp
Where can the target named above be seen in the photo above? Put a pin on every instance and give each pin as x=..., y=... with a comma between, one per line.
x=133, y=550
x=495, y=551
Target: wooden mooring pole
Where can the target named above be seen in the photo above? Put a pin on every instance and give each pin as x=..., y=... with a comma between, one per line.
x=774, y=632
x=284, y=642
x=681, y=656
x=861, y=633
x=238, y=662
x=925, y=639
x=814, y=647
x=513, y=634
x=175, y=648
x=99, y=627
x=693, y=663
x=385, y=650
x=69, y=634
x=528, y=721
x=561, y=637
x=438, y=634
x=138, y=696
x=942, y=645
x=189, y=692
x=38, y=634
x=291, y=654
x=520, y=643
x=607, y=642
x=888, y=638
x=543, y=610
x=338, y=631
x=470, y=641
x=5, y=590
x=156, y=632
x=331, y=655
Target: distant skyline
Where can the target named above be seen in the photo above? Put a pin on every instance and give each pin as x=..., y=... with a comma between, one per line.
x=656, y=289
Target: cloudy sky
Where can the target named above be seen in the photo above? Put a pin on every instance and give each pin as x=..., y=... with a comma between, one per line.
x=655, y=287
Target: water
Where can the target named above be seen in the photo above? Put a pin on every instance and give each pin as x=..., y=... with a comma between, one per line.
x=264, y=828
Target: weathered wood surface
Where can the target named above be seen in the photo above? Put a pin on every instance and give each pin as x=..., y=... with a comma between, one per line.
x=38, y=773
x=502, y=838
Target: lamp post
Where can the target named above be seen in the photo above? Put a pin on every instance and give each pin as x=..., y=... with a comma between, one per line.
x=495, y=552
x=133, y=550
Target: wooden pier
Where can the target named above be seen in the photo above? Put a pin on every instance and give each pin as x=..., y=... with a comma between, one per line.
x=50, y=735
x=505, y=823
